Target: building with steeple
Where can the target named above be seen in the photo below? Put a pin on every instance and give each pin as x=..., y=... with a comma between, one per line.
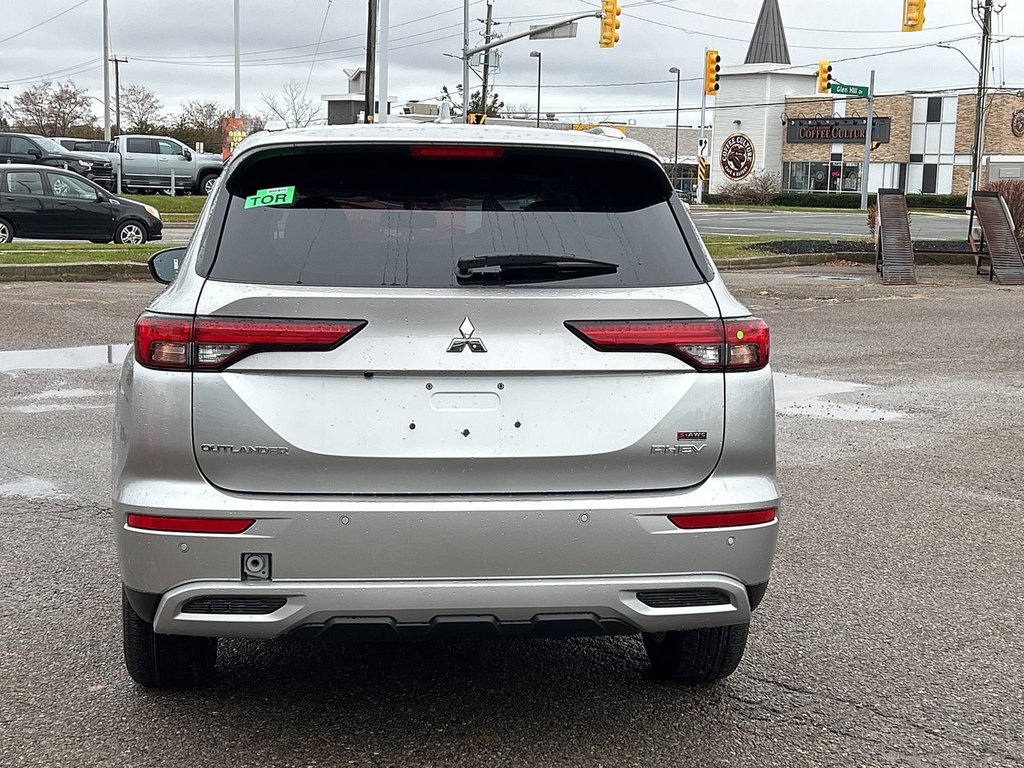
x=748, y=130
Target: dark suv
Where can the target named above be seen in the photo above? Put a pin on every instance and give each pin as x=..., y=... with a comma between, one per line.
x=39, y=150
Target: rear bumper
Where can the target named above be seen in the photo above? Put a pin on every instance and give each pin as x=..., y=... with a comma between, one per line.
x=444, y=609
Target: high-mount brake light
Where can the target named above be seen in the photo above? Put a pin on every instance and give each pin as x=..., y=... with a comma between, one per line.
x=213, y=343
x=189, y=524
x=455, y=152
x=708, y=345
x=723, y=519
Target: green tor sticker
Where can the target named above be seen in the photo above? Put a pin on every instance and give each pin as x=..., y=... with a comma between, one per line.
x=275, y=196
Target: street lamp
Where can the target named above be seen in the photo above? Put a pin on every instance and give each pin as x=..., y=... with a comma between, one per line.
x=675, y=153
x=536, y=55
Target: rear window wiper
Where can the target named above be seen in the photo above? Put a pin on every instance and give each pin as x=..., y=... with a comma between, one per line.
x=528, y=267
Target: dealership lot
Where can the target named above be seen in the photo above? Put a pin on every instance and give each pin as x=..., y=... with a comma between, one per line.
x=889, y=635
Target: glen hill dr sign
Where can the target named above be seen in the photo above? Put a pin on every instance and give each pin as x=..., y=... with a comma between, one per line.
x=836, y=130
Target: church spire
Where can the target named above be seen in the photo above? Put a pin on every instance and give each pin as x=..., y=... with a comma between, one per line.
x=768, y=45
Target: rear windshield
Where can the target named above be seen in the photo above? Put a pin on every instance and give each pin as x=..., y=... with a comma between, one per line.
x=390, y=216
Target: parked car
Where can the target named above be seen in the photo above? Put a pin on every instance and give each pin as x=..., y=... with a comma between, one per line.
x=52, y=203
x=417, y=382
x=39, y=150
x=149, y=163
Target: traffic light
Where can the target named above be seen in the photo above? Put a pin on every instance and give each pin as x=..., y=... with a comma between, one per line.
x=824, y=76
x=610, y=11
x=913, y=15
x=711, y=70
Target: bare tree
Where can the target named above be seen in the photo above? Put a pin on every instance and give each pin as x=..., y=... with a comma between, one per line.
x=56, y=110
x=140, y=108
x=292, y=106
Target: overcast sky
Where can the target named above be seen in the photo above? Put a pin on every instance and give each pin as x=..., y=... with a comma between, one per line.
x=182, y=49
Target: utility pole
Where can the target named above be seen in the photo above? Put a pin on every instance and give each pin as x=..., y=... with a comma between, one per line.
x=117, y=93
x=238, y=63
x=371, y=60
x=465, y=60
x=487, y=61
x=383, y=47
x=106, y=72
x=984, y=7
x=867, y=144
x=3, y=88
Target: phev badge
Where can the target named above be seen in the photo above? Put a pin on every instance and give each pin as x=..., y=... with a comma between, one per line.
x=467, y=339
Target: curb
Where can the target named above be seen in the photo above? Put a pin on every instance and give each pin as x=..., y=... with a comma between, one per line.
x=75, y=272
x=922, y=259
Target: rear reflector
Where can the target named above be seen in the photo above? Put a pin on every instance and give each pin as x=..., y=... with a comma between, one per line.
x=213, y=343
x=188, y=524
x=723, y=519
x=455, y=152
x=708, y=345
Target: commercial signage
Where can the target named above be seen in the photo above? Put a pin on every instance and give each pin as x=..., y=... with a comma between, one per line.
x=737, y=156
x=836, y=130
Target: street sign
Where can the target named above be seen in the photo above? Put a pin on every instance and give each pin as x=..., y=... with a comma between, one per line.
x=848, y=90
x=568, y=30
x=702, y=147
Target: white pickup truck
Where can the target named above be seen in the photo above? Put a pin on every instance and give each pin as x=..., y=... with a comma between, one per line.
x=153, y=163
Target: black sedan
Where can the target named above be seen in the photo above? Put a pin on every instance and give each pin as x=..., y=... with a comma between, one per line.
x=50, y=203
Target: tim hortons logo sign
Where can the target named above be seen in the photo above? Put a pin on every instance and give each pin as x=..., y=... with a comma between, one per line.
x=1017, y=123
x=737, y=156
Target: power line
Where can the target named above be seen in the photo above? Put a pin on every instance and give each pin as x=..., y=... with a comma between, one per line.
x=317, y=50
x=45, y=21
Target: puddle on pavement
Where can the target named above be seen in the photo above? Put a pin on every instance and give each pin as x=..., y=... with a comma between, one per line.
x=806, y=396
x=28, y=488
x=68, y=358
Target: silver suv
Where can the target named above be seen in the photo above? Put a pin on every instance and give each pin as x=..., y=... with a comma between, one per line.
x=432, y=382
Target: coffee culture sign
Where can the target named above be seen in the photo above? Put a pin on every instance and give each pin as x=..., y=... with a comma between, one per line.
x=836, y=130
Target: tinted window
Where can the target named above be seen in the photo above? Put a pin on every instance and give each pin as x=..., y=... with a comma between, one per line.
x=22, y=146
x=143, y=146
x=24, y=182
x=63, y=185
x=934, y=109
x=376, y=216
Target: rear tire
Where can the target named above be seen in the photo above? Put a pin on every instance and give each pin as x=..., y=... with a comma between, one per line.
x=206, y=183
x=696, y=656
x=164, y=661
x=6, y=231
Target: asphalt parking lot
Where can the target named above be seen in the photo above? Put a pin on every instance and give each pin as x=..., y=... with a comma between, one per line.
x=890, y=635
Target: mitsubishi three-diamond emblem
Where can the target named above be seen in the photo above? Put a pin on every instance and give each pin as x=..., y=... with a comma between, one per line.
x=467, y=340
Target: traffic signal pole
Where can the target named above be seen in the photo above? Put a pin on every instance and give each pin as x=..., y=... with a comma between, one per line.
x=468, y=52
x=867, y=144
x=700, y=181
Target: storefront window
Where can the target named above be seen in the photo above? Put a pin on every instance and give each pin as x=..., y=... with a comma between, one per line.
x=796, y=177
x=819, y=177
x=851, y=177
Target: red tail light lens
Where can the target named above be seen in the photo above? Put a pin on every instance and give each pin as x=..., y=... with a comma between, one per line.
x=723, y=519
x=213, y=343
x=455, y=152
x=189, y=524
x=708, y=345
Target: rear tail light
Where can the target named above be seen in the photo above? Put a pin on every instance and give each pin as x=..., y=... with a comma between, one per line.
x=189, y=524
x=723, y=519
x=708, y=345
x=213, y=343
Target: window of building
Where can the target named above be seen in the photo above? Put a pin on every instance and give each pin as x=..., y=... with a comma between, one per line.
x=818, y=177
x=930, y=174
x=796, y=177
x=934, y=109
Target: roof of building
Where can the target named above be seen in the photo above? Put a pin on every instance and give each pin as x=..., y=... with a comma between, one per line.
x=768, y=44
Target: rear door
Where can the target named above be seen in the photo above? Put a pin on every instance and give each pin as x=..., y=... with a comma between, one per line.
x=26, y=203
x=451, y=380
x=140, y=165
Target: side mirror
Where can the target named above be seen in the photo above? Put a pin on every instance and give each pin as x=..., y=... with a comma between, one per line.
x=188, y=154
x=164, y=265
x=35, y=152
